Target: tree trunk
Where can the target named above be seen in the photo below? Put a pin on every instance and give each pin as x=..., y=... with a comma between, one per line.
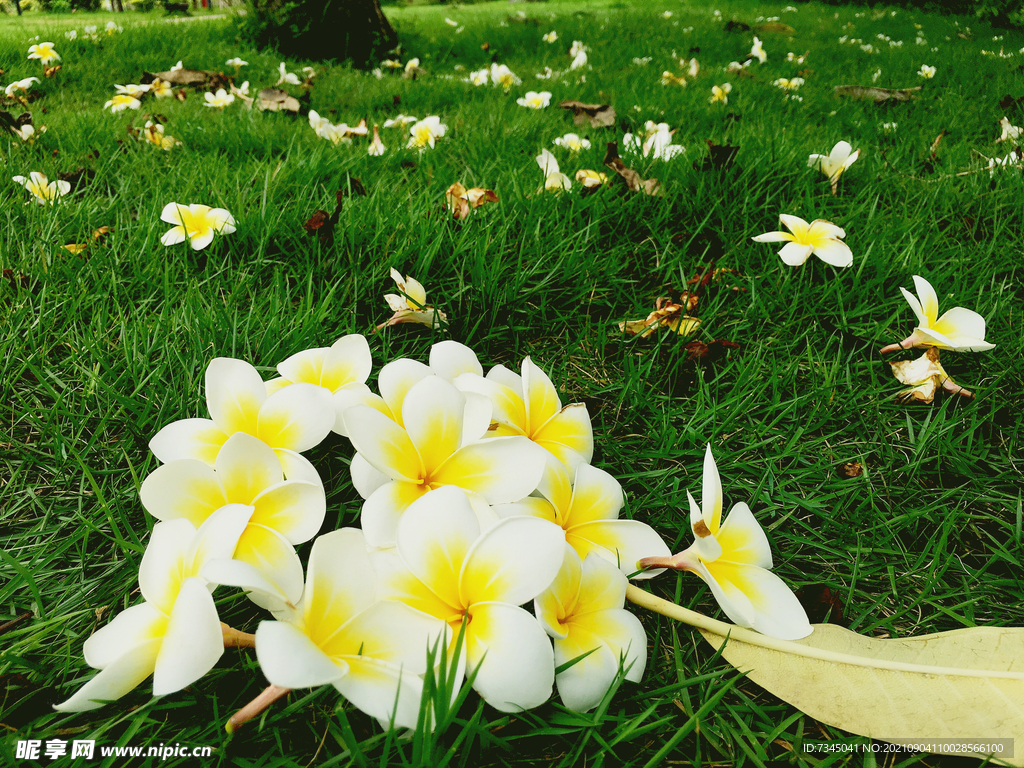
x=17, y=7
x=365, y=31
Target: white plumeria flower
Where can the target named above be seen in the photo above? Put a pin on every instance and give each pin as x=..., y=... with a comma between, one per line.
x=926, y=72
x=448, y=566
x=284, y=76
x=336, y=134
x=218, y=100
x=528, y=405
x=590, y=179
x=44, y=52
x=585, y=506
x=20, y=85
x=132, y=89
x=391, y=64
x=121, y=102
x=959, y=329
x=554, y=179
x=411, y=306
x=572, y=142
x=577, y=48
x=656, y=143
x=411, y=66
x=451, y=22
x=290, y=421
x=236, y=62
x=579, y=60
x=341, y=369
x=376, y=148
x=720, y=93
x=835, y=162
x=1012, y=160
x=733, y=558
x=503, y=76
x=547, y=74
x=788, y=84
x=399, y=121
x=479, y=77
x=535, y=100
x=175, y=635
x=160, y=88
x=820, y=237
x=666, y=15
x=154, y=134
x=550, y=37
x=113, y=27
x=372, y=651
x=320, y=125
x=1011, y=132
x=196, y=223
x=583, y=611
x=309, y=72
x=71, y=34
x=438, y=444
x=424, y=133
x=757, y=51
x=44, y=191
x=246, y=472
x=794, y=58
x=175, y=68
x=27, y=133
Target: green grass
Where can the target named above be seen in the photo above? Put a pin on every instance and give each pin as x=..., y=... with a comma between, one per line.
x=101, y=349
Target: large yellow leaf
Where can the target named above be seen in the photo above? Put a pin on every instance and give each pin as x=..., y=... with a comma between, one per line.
x=964, y=684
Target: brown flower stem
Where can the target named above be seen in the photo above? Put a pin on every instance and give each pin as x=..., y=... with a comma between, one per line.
x=270, y=694
x=235, y=639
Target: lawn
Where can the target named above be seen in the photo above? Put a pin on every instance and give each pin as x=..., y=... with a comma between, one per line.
x=892, y=518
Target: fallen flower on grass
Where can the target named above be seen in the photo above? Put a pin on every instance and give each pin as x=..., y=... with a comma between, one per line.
x=284, y=76
x=550, y=37
x=554, y=179
x=720, y=93
x=161, y=89
x=535, y=100
x=154, y=134
x=425, y=133
x=959, y=329
x=835, y=162
x=1011, y=132
x=45, y=192
x=757, y=51
x=20, y=85
x=926, y=72
x=398, y=121
x=376, y=148
x=788, y=84
x=478, y=77
x=734, y=559
x=196, y=223
x=572, y=142
x=820, y=237
x=218, y=100
x=925, y=376
x=656, y=142
x=413, y=70
x=667, y=78
x=44, y=52
x=503, y=76
x=237, y=63
x=590, y=179
x=666, y=314
x=122, y=102
x=460, y=200
x=411, y=306
x=132, y=89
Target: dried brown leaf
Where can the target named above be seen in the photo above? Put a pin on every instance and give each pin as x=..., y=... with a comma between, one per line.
x=850, y=469
x=51, y=71
x=698, y=351
x=877, y=95
x=460, y=200
x=593, y=115
x=633, y=179
x=194, y=77
x=666, y=314
x=276, y=100
x=776, y=27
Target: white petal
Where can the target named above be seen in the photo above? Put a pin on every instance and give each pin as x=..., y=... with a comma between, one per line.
x=199, y=439
x=185, y=488
x=620, y=542
x=260, y=590
x=929, y=301
x=772, y=237
x=293, y=508
x=382, y=512
x=298, y=417
x=383, y=444
x=795, y=254
x=384, y=691
x=273, y=556
x=510, y=379
x=395, y=633
x=290, y=659
x=164, y=561
x=483, y=467
x=340, y=579
x=915, y=305
x=711, y=493
x=217, y=537
x=117, y=679
x=476, y=418
x=432, y=413
x=132, y=627
x=834, y=252
x=234, y=394
x=193, y=641
x=965, y=328
x=246, y=466
x=449, y=359
x=348, y=362
x=513, y=562
x=743, y=540
x=297, y=467
x=366, y=479
x=395, y=380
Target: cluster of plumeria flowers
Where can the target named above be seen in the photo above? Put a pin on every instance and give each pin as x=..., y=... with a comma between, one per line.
x=485, y=531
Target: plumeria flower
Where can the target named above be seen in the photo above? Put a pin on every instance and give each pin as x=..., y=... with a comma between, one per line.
x=27, y=133
x=478, y=77
x=339, y=370
x=461, y=201
x=451, y=22
x=284, y=76
x=534, y=100
x=550, y=37
x=71, y=34
x=583, y=611
x=218, y=100
x=1012, y=160
x=196, y=223
x=667, y=78
x=399, y=121
x=44, y=52
x=820, y=237
x=242, y=89
x=309, y=72
x=666, y=15
x=176, y=67
x=572, y=142
x=160, y=88
x=376, y=148
x=579, y=60
x=391, y=64
x=290, y=421
x=757, y=51
x=372, y=651
x=1011, y=132
x=45, y=192
x=411, y=306
x=656, y=142
x=154, y=134
x=424, y=133
x=20, y=85
x=959, y=329
x=237, y=63
x=590, y=179
x=925, y=376
x=113, y=27
x=835, y=162
x=175, y=635
x=585, y=506
x=284, y=513
x=788, y=84
x=336, y=134
x=692, y=67
x=320, y=125
x=121, y=102
x=926, y=72
x=503, y=76
x=734, y=559
x=411, y=67
x=720, y=93
x=547, y=74
x=132, y=89
x=554, y=179
x=794, y=58
x=447, y=566
x=577, y=48
x=529, y=405
x=438, y=445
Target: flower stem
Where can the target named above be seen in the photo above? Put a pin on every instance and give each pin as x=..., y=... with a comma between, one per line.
x=270, y=694
x=235, y=639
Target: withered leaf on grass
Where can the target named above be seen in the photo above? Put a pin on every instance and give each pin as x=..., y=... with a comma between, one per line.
x=775, y=26
x=593, y=115
x=276, y=100
x=460, y=200
x=353, y=186
x=877, y=95
x=666, y=314
x=925, y=376
x=1008, y=101
x=633, y=179
x=194, y=77
x=322, y=224
x=51, y=71
x=698, y=351
x=850, y=469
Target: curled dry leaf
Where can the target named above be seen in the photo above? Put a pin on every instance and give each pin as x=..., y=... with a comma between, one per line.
x=593, y=115
x=850, y=469
x=322, y=224
x=925, y=376
x=698, y=351
x=51, y=71
x=192, y=77
x=633, y=179
x=460, y=200
x=276, y=100
x=877, y=95
x=666, y=314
